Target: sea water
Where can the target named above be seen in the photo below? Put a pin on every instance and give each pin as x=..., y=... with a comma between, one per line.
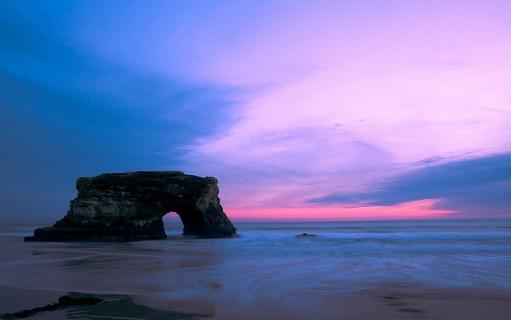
x=268, y=264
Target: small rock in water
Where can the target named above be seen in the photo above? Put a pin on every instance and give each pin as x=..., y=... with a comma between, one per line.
x=305, y=234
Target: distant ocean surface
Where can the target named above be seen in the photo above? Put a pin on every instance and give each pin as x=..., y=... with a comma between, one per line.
x=268, y=265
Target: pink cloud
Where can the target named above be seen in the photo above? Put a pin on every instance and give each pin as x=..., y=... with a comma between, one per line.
x=372, y=96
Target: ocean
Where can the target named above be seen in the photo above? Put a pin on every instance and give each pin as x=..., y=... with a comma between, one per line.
x=269, y=270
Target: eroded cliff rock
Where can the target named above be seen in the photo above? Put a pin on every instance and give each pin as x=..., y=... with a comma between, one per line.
x=130, y=206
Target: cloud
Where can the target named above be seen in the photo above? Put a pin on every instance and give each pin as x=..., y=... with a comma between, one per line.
x=283, y=101
x=479, y=187
x=364, y=101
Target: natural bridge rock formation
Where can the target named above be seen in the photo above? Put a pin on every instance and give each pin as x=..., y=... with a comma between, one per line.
x=130, y=206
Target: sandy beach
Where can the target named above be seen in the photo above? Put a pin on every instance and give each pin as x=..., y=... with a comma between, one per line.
x=389, y=302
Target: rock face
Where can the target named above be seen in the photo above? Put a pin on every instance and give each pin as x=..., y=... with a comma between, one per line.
x=130, y=206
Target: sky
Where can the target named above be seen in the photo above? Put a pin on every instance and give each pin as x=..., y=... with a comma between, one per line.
x=304, y=110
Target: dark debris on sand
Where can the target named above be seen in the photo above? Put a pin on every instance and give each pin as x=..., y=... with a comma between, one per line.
x=66, y=301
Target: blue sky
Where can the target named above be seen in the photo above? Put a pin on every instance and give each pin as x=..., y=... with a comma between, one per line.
x=66, y=112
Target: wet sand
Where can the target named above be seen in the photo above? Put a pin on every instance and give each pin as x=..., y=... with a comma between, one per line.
x=391, y=302
x=409, y=302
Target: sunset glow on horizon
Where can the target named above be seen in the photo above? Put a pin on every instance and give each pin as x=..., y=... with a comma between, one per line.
x=421, y=209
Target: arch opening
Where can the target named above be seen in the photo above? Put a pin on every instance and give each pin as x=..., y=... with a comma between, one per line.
x=172, y=224
x=190, y=217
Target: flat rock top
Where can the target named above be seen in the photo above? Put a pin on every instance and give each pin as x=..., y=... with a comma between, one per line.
x=143, y=178
x=146, y=173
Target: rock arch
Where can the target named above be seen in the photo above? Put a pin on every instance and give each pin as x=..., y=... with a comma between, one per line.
x=130, y=206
